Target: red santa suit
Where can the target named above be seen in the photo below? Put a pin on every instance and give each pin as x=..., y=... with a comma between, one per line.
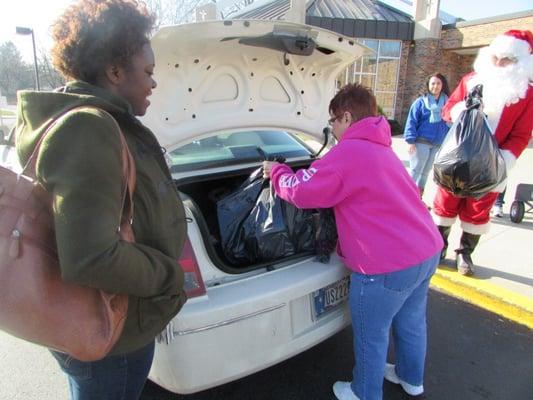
x=508, y=104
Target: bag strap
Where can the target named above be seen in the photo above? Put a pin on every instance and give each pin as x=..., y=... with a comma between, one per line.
x=129, y=177
x=128, y=163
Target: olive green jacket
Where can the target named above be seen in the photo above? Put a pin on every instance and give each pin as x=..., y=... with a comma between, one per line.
x=80, y=164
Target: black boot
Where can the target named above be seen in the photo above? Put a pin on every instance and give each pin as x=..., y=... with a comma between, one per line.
x=464, y=261
x=444, y=232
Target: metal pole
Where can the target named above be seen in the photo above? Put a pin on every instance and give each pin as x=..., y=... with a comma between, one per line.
x=35, y=62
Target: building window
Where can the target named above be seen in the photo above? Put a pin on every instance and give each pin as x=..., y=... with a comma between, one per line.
x=378, y=71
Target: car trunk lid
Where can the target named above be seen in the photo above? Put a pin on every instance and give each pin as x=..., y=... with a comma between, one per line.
x=225, y=75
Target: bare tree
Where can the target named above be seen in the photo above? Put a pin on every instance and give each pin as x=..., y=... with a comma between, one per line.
x=15, y=74
x=49, y=76
x=173, y=12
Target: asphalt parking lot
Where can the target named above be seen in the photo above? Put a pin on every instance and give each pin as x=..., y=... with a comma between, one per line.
x=472, y=354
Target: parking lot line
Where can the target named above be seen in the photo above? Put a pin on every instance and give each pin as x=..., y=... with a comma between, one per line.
x=486, y=295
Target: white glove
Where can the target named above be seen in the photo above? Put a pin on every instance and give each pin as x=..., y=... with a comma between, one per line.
x=456, y=110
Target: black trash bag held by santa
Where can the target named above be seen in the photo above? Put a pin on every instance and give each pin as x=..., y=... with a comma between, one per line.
x=257, y=226
x=469, y=162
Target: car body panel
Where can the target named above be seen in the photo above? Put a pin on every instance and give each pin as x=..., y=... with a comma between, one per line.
x=226, y=75
x=247, y=325
x=8, y=154
x=8, y=157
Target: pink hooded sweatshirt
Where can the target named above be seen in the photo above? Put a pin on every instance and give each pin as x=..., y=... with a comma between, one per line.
x=383, y=225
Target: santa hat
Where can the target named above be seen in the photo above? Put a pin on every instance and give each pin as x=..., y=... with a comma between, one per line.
x=514, y=43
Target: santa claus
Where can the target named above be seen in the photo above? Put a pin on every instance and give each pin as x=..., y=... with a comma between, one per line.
x=505, y=69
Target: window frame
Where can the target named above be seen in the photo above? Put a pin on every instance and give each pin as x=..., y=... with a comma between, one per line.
x=356, y=76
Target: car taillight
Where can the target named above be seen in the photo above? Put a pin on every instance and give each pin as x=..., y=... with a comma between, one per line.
x=194, y=284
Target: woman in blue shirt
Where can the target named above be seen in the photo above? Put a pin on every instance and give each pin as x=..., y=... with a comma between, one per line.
x=425, y=130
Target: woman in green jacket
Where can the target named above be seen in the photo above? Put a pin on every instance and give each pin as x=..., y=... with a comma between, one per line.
x=102, y=47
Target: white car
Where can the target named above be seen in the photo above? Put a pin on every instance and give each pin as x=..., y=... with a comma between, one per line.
x=225, y=89
x=8, y=155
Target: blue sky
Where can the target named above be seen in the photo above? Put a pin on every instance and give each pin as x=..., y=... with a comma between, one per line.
x=474, y=9
x=39, y=14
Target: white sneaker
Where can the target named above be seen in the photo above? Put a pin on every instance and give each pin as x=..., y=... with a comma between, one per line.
x=497, y=211
x=390, y=375
x=343, y=391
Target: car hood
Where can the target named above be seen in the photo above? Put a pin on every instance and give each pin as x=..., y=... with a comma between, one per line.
x=230, y=75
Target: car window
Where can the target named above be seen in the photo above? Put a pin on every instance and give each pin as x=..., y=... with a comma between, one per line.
x=236, y=147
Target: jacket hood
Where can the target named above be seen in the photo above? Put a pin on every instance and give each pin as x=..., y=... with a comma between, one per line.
x=373, y=129
x=36, y=110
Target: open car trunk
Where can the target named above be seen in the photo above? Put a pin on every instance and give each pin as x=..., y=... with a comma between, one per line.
x=200, y=195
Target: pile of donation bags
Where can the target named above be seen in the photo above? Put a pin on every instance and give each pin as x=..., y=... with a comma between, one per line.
x=257, y=226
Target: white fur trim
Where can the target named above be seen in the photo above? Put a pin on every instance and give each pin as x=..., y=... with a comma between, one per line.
x=443, y=221
x=475, y=229
x=456, y=110
x=509, y=46
x=509, y=158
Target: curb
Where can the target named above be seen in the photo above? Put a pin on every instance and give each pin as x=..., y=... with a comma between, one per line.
x=485, y=295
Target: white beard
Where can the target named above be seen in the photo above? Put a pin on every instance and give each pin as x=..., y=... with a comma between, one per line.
x=502, y=86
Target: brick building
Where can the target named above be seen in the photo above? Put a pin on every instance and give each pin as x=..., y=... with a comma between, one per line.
x=406, y=48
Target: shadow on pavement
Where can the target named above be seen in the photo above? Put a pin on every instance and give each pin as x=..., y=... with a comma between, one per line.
x=483, y=273
x=527, y=222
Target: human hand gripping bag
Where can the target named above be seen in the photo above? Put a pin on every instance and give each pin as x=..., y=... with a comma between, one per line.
x=469, y=162
x=35, y=303
x=257, y=226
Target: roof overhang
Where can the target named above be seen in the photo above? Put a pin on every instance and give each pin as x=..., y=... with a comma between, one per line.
x=359, y=28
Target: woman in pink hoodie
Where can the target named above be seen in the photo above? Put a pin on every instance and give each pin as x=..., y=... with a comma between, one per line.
x=386, y=237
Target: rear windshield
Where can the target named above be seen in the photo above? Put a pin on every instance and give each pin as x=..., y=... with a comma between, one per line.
x=237, y=147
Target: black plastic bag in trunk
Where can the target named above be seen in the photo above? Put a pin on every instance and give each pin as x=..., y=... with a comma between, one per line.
x=469, y=162
x=326, y=234
x=257, y=226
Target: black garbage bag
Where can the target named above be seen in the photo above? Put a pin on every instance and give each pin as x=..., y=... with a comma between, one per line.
x=326, y=235
x=257, y=226
x=469, y=162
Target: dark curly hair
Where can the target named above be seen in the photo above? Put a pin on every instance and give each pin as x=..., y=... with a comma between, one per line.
x=356, y=99
x=93, y=34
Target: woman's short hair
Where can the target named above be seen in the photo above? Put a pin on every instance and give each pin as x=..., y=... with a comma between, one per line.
x=445, y=88
x=93, y=34
x=356, y=99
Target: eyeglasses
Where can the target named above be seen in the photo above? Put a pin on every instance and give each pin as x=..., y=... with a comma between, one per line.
x=503, y=61
x=332, y=120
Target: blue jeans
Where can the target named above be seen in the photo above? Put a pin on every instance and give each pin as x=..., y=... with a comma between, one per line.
x=499, y=199
x=377, y=303
x=421, y=162
x=120, y=377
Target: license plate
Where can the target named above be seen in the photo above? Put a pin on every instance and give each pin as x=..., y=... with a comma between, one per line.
x=330, y=296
